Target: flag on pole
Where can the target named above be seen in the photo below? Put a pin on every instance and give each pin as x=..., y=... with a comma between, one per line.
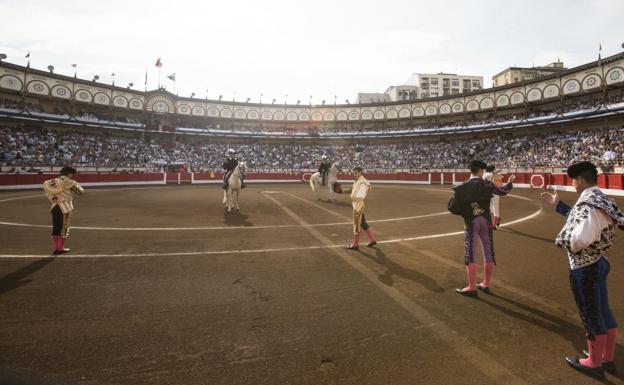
x=113, y=74
x=158, y=63
x=75, y=65
x=27, y=55
x=172, y=77
x=599, y=51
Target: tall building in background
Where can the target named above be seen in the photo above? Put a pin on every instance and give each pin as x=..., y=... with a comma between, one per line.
x=371, y=97
x=518, y=74
x=425, y=86
x=443, y=84
x=402, y=93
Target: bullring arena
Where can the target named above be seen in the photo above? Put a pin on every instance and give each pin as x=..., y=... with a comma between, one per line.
x=166, y=284
x=170, y=289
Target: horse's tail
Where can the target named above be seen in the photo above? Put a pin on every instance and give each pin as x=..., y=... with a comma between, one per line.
x=312, y=183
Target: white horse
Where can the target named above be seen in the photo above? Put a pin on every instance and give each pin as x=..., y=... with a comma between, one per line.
x=230, y=196
x=316, y=181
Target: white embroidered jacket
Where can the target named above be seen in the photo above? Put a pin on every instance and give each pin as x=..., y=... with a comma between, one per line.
x=60, y=191
x=360, y=190
x=589, y=228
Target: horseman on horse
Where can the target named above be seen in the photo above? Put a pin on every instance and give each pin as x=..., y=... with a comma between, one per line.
x=324, y=169
x=229, y=166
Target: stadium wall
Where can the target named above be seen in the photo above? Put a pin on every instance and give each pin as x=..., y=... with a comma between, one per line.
x=612, y=184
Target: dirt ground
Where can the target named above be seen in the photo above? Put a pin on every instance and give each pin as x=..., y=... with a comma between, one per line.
x=163, y=287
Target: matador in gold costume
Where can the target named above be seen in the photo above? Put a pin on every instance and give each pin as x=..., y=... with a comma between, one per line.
x=60, y=192
x=359, y=191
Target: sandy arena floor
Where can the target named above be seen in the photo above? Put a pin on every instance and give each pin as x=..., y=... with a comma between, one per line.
x=163, y=287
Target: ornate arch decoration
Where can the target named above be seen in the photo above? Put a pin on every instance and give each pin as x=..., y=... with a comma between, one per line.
x=502, y=100
x=279, y=115
x=38, y=87
x=551, y=91
x=472, y=105
x=120, y=101
x=591, y=81
x=431, y=110
x=534, y=95
x=184, y=109
x=571, y=86
x=83, y=95
x=160, y=103
x=392, y=114
x=487, y=103
x=516, y=98
x=226, y=113
x=404, y=113
x=11, y=82
x=379, y=115
x=198, y=111
x=60, y=91
x=136, y=104
x=614, y=75
x=458, y=107
x=240, y=114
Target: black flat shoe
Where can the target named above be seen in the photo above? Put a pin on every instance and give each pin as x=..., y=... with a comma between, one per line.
x=371, y=244
x=608, y=366
x=59, y=252
x=351, y=247
x=484, y=289
x=467, y=293
x=592, y=372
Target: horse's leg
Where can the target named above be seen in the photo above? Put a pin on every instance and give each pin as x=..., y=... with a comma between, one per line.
x=229, y=202
x=236, y=202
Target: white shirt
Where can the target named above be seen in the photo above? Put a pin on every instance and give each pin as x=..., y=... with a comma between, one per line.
x=590, y=229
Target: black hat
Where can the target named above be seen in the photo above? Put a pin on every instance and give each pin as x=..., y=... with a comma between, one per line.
x=478, y=164
x=581, y=167
x=68, y=170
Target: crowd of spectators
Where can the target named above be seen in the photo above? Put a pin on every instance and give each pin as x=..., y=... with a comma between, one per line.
x=27, y=149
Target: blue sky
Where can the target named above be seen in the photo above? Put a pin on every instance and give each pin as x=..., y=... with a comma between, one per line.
x=301, y=48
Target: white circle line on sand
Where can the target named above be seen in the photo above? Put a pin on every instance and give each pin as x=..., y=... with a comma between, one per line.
x=17, y=224
x=279, y=249
x=91, y=228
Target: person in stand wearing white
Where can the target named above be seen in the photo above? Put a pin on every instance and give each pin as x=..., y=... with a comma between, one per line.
x=359, y=191
x=586, y=236
x=495, y=178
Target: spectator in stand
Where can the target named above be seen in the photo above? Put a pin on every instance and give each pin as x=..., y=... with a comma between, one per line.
x=42, y=148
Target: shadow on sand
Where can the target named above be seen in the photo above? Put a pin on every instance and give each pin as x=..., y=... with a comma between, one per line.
x=571, y=332
x=235, y=218
x=19, y=277
x=395, y=269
